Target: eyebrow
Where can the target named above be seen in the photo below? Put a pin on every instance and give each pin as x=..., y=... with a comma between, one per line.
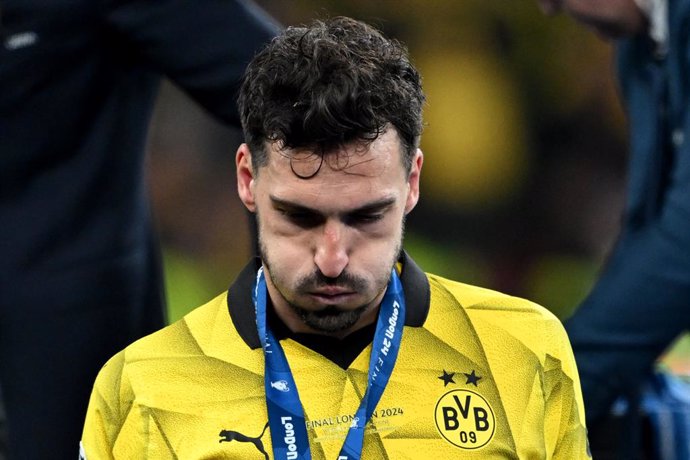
x=369, y=207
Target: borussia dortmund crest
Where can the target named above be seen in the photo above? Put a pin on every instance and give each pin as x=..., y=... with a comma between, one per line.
x=465, y=419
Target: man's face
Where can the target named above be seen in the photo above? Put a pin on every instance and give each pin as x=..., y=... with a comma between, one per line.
x=609, y=18
x=328, y=243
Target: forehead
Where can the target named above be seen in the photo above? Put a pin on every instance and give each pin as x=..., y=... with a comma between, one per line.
x=354, y=168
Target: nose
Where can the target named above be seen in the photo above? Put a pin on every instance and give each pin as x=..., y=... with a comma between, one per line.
x=331, y=252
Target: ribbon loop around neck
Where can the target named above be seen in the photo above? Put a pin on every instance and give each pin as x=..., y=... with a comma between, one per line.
x=286, y=417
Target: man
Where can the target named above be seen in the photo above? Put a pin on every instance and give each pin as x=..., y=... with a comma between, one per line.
x=334, y=338
x=640, y=303
x=79, y=275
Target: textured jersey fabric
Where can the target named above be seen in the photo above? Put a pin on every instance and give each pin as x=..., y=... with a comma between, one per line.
x=479, y=375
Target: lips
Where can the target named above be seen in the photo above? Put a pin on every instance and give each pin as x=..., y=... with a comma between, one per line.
x=331, y=291
x=332, y=294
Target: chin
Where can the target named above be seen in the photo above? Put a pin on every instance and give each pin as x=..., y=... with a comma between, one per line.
x=334, y=324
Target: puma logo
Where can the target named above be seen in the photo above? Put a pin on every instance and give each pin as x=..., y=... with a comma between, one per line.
x=229, y=436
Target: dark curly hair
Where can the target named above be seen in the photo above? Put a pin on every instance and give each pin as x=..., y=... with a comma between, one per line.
x=321, y=86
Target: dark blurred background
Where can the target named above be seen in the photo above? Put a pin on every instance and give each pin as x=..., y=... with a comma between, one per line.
x=525, y=155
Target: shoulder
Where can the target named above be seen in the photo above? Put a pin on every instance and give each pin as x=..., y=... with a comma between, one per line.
x=181, y=337
x=177, y=369
x=479, y=299
x=187, y=337
x=161, y=363
x=497, y=318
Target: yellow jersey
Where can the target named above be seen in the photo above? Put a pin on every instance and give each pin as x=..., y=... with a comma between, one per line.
x=479, y=375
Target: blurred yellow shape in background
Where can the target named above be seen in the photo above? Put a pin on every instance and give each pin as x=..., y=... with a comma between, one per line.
x=475, y=133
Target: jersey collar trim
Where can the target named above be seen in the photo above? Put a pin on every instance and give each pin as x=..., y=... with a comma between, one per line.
x=414, y=281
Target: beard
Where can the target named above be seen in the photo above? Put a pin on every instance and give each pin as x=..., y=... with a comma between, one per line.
x=331, y=318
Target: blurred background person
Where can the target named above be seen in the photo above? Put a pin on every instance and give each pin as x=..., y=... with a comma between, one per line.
x=79, y=261
x=641, y=301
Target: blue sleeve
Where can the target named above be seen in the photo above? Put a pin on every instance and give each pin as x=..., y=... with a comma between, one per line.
x=203, y=46
x=641, y=301
x=638, y=306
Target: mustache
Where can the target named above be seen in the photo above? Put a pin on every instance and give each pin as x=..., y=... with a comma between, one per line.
x=345, y=280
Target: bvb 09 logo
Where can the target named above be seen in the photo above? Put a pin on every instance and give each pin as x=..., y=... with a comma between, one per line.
x=465, y=419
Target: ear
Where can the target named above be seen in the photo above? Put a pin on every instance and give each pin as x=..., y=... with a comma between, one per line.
x=413, y=181
x=245, y=177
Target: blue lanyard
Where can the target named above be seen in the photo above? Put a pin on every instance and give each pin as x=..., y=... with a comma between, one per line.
x=285, y=414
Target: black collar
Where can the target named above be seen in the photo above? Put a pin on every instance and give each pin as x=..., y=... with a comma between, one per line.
x=241, y=308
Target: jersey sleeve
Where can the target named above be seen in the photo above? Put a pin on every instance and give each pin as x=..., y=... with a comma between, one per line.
x=565, y=413
x=109, y=428
x=203, y=46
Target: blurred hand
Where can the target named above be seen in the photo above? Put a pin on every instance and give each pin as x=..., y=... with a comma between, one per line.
x=610, y=19
x=550, y=7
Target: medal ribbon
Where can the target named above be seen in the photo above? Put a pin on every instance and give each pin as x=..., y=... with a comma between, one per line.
x=285, y=413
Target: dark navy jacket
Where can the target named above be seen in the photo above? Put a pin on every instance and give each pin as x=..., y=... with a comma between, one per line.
x=79, y=278
x=642, y=300
x=77, y=83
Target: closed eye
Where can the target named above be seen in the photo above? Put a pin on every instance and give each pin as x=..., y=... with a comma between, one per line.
x=308, y=218
x=363, y=218
x=300, y=218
